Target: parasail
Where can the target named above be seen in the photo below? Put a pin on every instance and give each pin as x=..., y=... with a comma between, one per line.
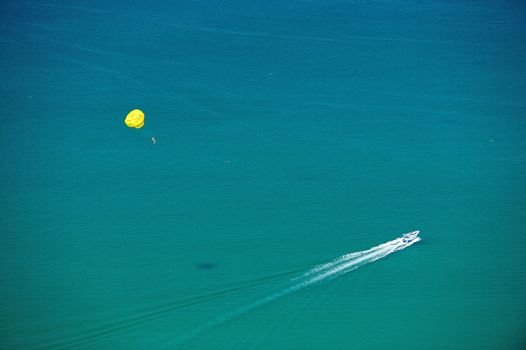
x=135, y=119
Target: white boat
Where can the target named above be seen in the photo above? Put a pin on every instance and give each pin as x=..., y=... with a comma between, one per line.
x=410, y=237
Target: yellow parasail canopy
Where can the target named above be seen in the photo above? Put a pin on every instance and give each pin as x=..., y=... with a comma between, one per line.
x=135, y=119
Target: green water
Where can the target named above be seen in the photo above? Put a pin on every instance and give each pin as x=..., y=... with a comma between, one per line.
x=289, y=133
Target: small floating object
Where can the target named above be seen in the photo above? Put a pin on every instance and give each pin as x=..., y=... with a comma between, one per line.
x=135, y=119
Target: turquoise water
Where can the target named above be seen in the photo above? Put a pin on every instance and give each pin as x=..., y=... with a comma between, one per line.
x=289, y=133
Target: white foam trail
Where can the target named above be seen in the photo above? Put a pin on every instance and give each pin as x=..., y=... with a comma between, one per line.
x=342, y=259
x=318, y=274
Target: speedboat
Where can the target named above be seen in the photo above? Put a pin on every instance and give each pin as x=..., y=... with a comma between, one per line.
x=410, y=237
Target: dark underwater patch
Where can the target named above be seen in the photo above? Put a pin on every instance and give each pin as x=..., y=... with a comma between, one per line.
x=206, y=266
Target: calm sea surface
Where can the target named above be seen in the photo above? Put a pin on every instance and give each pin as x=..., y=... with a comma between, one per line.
x=289, y=133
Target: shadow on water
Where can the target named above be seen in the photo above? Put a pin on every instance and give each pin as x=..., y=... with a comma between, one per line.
x=206, y=266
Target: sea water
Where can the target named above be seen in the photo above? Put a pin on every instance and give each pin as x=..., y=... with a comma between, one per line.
x=289, y=133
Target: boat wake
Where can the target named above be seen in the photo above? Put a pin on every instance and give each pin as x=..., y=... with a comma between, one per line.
x=305, y=278
x=318, y=274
